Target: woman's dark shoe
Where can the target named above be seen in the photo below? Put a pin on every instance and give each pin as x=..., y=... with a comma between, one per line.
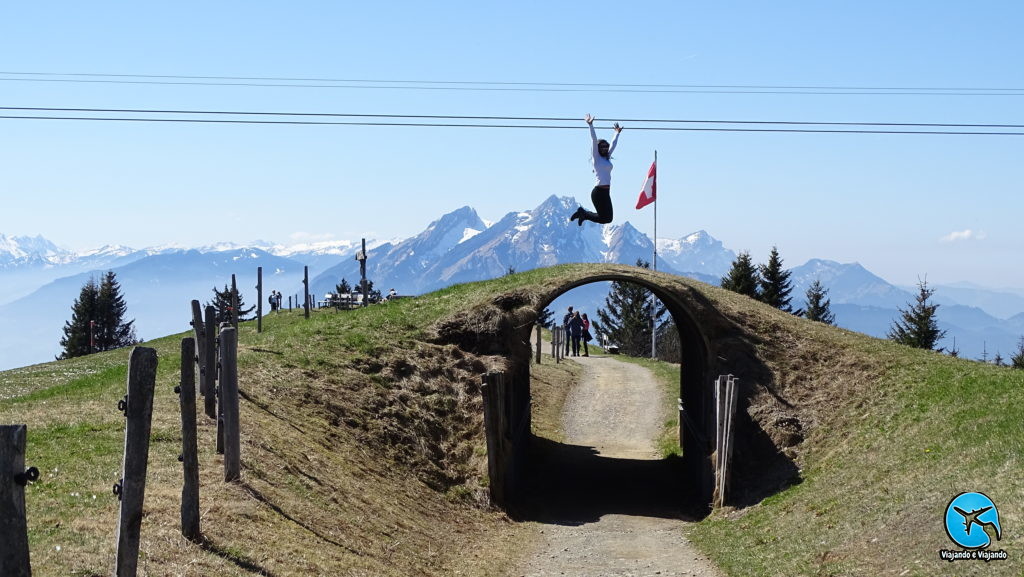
x=577, y=214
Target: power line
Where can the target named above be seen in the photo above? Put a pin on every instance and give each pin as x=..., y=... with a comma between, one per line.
x=510, y=118
x=462, y=85
x=521, y=126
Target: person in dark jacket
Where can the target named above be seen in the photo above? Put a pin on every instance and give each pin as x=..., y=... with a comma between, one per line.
x=575, y=332
x=565, y=327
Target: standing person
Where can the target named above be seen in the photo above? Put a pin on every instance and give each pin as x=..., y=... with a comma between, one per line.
x=565, y=329
x=586, y=335
x=575, y=332
x=601, y=160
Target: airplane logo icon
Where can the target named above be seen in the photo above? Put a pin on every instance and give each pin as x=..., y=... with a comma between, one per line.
x=972, y=519
x=967, y=511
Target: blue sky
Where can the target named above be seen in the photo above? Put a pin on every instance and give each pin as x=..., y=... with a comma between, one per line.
x=904, y=206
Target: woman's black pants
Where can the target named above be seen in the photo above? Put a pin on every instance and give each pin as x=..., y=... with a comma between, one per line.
x=601, y=196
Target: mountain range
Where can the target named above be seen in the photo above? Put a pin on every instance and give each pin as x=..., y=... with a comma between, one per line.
x=41, y=281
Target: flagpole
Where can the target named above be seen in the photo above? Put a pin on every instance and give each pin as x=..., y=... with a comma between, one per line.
x=654, y=306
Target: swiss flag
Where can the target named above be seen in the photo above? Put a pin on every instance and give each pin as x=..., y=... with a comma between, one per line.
x=649, y=193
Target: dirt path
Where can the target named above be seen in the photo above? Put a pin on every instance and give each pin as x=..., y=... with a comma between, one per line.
x=607, y=506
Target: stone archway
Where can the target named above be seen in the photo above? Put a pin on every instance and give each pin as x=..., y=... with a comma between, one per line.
x=712, y=344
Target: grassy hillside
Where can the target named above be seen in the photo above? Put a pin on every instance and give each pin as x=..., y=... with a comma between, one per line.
x=892, y=435
x=361, y=441
x=363, y=455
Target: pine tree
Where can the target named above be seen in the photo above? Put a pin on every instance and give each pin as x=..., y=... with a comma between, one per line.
x=774, y=283
x=343, y=288
x=670, y=348
x=546, y=318
x=819, y=307
x=918, y=326
x=221, y=304
x=742, y=277
x=97, y=320
x=76, y=339
x=112, y=332
x=998, y=360
x=1017, y=360
x=626, y=318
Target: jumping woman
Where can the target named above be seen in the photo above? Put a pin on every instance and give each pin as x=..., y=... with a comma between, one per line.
x=601, y=160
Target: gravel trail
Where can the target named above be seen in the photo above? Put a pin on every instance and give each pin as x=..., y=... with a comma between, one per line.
x=607, y=498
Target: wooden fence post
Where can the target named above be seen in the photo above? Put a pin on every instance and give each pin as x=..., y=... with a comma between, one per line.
x=138, y=408
x=14, y=557
x=208, y=371
x=490, y=388
x=234, y=302
x=725, y=409
x=305, y=289
x=229, y=400
x=189, y=445
x=259, y=299
x=199, y=329
x=539, y=335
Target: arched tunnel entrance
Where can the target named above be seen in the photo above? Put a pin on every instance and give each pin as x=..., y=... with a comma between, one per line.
x=711, y=345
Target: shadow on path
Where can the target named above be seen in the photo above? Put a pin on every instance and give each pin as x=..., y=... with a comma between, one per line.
x=573, y=485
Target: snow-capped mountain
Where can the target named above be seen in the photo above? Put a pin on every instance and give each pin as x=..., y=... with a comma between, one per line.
x=697, y=253
x=26, y=251
x=460, y=247
x=41, y=280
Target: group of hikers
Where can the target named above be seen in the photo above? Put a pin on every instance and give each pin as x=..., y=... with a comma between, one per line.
x=577, y=329
x=275, y=301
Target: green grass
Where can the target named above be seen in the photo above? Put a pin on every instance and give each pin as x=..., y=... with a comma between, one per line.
x=875, y=489
x=351, y=413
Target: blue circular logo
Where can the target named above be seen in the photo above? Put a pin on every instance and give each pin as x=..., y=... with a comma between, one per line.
x=972, y=521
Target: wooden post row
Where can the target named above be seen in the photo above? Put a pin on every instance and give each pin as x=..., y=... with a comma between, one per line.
x=229, y=402
x=138, y=408
x=189, y=444
x=14, y=558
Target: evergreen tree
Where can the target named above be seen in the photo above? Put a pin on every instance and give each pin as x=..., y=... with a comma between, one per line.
x=774, y=283
x=97, y=320
x=819, y=307
x=918, y=326
x=112, y=332
x=76, y=339
x=670, y=348
x=742, y=277
x=626, y=318
x=343, y=288
x=546, y=318
x=1017, y=360
x=221, y=304
x=998, y=360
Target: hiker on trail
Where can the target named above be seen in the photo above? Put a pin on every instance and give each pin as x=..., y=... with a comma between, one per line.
x=575, y=332
x=586, y=334
x=565, y=329
x=601, y=160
